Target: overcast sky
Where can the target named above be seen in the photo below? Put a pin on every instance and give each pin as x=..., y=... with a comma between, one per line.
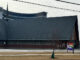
x=52, y=12
x=29, y=8
x=74, y=1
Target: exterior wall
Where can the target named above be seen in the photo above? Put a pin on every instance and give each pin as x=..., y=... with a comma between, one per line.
x=75, y=35
x=3, y=32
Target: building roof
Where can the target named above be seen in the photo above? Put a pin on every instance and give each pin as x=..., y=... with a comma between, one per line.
x=15, y=15
x=59, y=28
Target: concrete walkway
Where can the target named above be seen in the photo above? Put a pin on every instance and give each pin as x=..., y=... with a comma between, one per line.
x=36, y=50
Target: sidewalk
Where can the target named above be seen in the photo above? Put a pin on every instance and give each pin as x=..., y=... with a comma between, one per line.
x=36, y=50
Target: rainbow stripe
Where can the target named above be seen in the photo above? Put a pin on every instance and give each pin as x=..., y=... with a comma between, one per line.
x=70, y=46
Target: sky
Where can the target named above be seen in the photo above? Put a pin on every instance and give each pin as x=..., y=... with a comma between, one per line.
x=29, y=8
x=74, y=1
x=52, y=12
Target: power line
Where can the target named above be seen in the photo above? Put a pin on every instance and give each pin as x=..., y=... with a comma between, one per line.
x=47, y=6
x=68, y=2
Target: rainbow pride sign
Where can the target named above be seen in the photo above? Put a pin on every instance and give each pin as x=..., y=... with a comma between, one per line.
x=70, y=46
